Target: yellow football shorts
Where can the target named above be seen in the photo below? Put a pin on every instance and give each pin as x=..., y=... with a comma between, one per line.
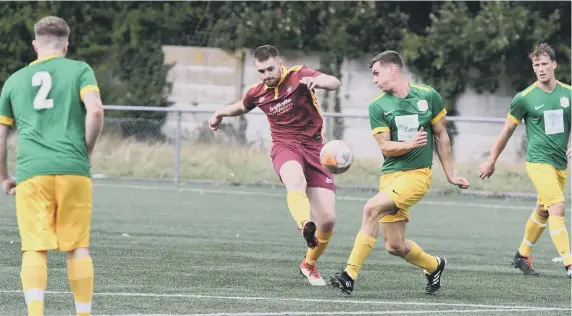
x=54, y=212
x=406, y=188
x=548, y=181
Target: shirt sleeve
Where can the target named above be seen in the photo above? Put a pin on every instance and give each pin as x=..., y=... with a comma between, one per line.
x=308, y=72
x=87, y=81
x=516, y=111
x=6, y=115
x=248, y=100
x=437, y=108
x=377, y=121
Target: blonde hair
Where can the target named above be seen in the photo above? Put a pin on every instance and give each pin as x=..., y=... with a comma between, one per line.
x=52, y=31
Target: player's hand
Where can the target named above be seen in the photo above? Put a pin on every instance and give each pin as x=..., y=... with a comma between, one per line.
x=461, y=182
x=214, y=121
x=569, y=153
x=419, y=140
x=309, y=82
x=9, y=186
x=486, y=170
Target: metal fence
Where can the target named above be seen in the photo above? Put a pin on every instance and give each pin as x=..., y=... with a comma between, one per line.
x=173, y=131
x=176, y=145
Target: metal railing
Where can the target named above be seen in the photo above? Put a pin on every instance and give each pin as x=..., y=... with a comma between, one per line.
x=179, y=112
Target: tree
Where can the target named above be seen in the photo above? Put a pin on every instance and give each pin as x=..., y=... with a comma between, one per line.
x=334, y=29
x=461, y=48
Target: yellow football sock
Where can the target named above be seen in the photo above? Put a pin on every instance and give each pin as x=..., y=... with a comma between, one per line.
x=421, y=259
x=560, y=238
x=299, y=206
x=534, y=228
x=80, y=275
x=362, y=247
x=34, y=276
x=314, y=254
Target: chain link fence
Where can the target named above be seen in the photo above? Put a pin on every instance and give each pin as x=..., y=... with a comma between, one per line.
x=178, y=146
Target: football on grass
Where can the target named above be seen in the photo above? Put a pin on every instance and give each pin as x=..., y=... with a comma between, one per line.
x=336, y=156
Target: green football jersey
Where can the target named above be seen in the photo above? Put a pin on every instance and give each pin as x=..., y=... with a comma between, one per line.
x=403, y=118
x=44, y=100
x=547, y=119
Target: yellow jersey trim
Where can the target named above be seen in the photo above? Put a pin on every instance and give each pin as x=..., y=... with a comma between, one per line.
x=513, y=119
x=419, y=87
x=439, y=116
x=380, y=129
x=86, y=89
x=378, y=97
x=527, y=90
x=44, y=59
x=564, y=85
x=6, y=120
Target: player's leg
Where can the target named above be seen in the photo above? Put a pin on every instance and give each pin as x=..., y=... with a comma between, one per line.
x=377, y=207
x=322, y=202
x=534, y=227
x=288, y=164
x=74, y=195
x=321, y=191
x=407, y=190
x=556, y=223
x=396, y=244
x=549, y=184
x=35, y=209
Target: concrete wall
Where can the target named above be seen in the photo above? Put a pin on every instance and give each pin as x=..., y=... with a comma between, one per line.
x=210, y=78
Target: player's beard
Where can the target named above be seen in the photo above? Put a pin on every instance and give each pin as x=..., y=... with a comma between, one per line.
x=271, y=82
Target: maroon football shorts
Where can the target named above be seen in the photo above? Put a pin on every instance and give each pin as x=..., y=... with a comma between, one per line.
x=308, y=157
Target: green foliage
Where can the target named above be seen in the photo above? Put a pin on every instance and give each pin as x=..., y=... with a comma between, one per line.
x=450, y=45
x=461, y=48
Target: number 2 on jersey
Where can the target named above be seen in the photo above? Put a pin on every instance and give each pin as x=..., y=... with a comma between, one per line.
x=44, y=81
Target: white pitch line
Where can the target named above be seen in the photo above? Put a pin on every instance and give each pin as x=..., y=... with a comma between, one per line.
x=450, y=311
x=294, y=299
x=268, y=194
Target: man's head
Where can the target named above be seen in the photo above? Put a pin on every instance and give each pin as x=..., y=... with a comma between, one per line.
x=52, y=35
x=386, y=67
x=543, y=62
x=268, y=64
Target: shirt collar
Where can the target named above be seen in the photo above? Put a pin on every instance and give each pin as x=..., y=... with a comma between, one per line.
x=52, y=56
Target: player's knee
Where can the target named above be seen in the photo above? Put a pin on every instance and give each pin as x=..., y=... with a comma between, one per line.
x=78, y=253
x=327, y=222
x=395, y=248
x=540, y=211
x=372, y=211
x=295, y=183
x=556, y=209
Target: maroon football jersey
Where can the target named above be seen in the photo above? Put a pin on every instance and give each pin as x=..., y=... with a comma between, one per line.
x=291, y=108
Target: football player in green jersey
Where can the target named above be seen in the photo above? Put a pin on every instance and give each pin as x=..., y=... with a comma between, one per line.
x=545, y=109
x=404, y=120
x=54, y=104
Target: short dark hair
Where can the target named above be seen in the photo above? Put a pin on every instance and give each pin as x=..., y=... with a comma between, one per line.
x=387, y=57
x=542, y=49
x=265, y=52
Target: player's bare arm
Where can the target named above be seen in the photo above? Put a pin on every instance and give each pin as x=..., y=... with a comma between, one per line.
x=443, y=146
x=488, y=168
x=235, y=109
x=323, y=81
x=392, y=149
x=8, y=183
x=93, y=120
